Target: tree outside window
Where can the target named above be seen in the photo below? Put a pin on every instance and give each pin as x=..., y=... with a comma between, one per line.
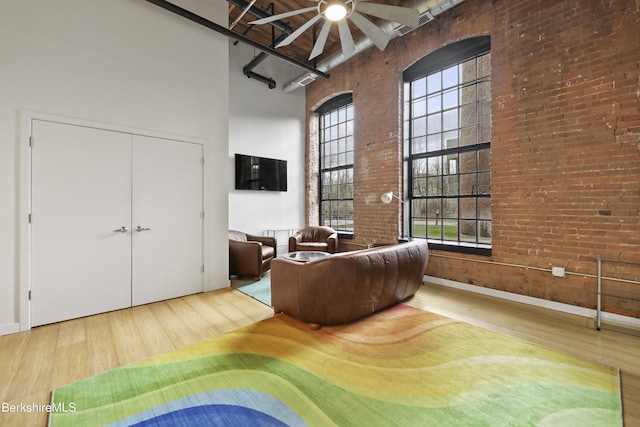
x=336, y=163
x=448, y=143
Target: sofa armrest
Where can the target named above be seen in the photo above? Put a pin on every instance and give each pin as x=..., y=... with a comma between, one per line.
x=293, y=242
x=284, y=286
x=265, y=240
x=332, y=242
x=245, y=257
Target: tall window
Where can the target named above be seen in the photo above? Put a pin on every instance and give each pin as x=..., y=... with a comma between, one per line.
x=336, y=163
x=448, y=145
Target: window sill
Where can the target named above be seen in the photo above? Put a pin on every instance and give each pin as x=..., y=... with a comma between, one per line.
x=345, y=235
x=474, y=249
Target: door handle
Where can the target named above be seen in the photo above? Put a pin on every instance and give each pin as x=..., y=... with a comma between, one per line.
x=141, y=228
x=122, y=229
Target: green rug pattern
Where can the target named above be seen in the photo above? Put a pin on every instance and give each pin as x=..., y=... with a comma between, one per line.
x=399, y=367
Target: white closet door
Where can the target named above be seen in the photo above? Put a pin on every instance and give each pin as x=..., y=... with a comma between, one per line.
x=167, y=207
x=81, y=193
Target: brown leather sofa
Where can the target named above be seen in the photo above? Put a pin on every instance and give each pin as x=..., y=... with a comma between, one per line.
x=250, y=255
x=347, y=286
x=321, y=239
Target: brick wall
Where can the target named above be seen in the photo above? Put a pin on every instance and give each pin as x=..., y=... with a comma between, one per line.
x=565, y=144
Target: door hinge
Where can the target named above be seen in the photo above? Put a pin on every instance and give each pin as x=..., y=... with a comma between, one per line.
x=30, y=141
x=202, y=269
x=29, y=295
x=201, y=214
x=29, y=218
x=202, y=160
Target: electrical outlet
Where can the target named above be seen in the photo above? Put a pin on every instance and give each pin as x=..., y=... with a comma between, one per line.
x=557, y=271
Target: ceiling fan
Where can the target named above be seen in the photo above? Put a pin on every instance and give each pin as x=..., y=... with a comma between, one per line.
x=339, y=11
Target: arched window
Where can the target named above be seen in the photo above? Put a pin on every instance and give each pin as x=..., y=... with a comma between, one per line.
x=447, y=103
x=336, y=163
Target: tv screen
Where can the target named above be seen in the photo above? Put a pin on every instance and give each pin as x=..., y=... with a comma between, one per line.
x=260, y=173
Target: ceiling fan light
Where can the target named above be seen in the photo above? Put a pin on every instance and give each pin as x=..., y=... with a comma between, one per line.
x=335, y=12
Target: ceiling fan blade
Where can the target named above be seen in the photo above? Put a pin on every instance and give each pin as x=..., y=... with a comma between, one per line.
x=322, y=39
x=282, y=16
x=299, y=31
x=401, y=15
x=346, y=40
x=244, y=12
x=379, y=37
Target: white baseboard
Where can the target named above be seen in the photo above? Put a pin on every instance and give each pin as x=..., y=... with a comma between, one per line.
x=9, y=328
x=627, y=321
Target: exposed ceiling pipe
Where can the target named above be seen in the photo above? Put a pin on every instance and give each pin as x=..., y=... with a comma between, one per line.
x=247, y=70
x=226, y=32
x=264, y=79
x=429, y=9
x=261, y=56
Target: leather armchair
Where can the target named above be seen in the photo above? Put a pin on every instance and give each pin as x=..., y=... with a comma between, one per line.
x=250, y=255
x=321, y=239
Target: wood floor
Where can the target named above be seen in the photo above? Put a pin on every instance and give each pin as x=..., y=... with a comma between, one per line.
x=33, y=363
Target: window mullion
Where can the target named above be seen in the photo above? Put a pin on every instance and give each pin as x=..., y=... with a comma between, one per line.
x=458, y=213
x=336, y=182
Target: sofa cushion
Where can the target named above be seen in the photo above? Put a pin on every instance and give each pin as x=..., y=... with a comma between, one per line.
x=312, y=246
x=268, y=252
x=315, y=234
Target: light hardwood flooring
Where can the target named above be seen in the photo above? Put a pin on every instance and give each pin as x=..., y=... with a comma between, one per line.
x=559, y=331
x=33, y=363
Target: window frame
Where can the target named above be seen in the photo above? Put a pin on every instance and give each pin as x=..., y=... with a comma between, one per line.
x=438, y=62
x=343, y=102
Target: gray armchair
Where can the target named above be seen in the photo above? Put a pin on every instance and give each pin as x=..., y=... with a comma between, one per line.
x=250, y=255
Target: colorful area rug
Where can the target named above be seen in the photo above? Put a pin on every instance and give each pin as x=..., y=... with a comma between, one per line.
x=400, y=367
x=260, y=290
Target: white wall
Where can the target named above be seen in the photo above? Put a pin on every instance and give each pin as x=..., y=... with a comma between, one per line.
x=122, y=62
x=268, y=123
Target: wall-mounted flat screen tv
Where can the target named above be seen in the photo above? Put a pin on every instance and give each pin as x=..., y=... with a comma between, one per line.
x=260, y=173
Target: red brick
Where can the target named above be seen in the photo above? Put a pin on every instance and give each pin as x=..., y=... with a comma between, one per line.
x=565, y=141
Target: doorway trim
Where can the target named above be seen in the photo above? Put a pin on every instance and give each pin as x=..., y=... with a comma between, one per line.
x=23, y=229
